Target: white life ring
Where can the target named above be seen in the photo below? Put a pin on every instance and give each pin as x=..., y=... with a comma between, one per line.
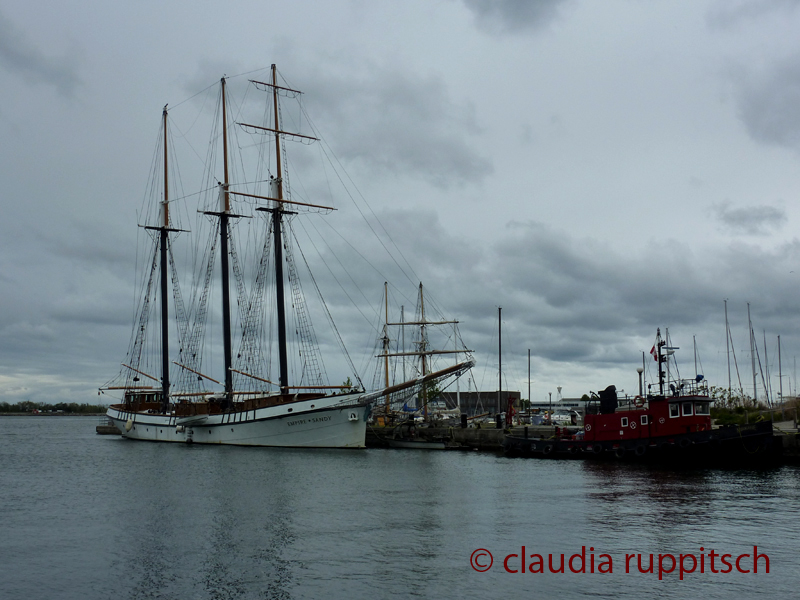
x=638, y=401
x=633, y=424
x=661, y=420
x=588, y=427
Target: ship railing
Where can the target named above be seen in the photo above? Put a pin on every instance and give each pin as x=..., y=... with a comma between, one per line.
x=688, y=387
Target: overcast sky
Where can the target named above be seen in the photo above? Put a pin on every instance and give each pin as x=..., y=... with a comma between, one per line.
x=598, y=169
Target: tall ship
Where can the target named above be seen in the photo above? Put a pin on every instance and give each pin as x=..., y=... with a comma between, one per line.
x=274, y=389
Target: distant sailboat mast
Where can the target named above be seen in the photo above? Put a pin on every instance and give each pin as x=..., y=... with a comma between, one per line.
x=386, y=341
x=499, y=357
x=752, y=353
x=780, y=374
x=728, y=347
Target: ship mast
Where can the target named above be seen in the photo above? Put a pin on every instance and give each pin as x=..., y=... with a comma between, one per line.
x=278, y=211
x=277, y=217
x=164, y=235
x=224, y=215
x=423, y=352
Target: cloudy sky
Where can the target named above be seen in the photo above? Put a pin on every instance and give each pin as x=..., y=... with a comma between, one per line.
x=597, y=169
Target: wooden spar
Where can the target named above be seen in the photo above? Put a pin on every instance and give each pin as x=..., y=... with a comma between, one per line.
x=427, y=353
x=274, y=86
x=139, y=372
x=196, y=372
x=300, y=135
x=253, y=376
x=424, y=323
x=319, y=387
x=478, y=416
x=291, y=387
x=226, y=181
x=124, y=387
x=425, y=379
x=165, y=222
x=282, y=200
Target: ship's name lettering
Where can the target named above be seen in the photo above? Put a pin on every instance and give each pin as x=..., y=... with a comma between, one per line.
x=311, y=420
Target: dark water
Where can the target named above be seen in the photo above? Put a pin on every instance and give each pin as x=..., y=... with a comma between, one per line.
x=88, y=516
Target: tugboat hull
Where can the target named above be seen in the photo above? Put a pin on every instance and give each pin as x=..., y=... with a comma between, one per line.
x=731, y=444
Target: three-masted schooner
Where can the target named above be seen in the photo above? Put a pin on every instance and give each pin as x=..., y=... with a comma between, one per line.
x=305, y=413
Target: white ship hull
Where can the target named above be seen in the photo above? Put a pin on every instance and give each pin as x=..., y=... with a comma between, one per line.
x=334, y=422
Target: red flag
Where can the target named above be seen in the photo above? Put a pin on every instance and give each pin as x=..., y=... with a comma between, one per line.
x=653, y=352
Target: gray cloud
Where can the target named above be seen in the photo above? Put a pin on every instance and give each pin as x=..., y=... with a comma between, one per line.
x=752, y=220
x=582, y=306
x=731, y=13
x=394, y=122
x=19, y=55
x=767, y=102
x=514, y=16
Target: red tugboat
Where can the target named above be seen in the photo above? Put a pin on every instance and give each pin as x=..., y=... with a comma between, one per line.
x=665, y=427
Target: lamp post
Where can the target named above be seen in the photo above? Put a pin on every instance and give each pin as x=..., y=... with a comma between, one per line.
x=640, y=370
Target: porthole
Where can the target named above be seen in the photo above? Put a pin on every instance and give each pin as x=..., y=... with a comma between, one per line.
x=290, y=410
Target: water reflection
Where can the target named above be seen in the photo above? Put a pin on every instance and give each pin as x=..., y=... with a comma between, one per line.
x=108, y=517
x=658, y=509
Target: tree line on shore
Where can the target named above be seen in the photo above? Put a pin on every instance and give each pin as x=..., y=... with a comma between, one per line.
x=43, y=407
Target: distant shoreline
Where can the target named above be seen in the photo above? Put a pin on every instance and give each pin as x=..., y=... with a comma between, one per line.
x=50, y=414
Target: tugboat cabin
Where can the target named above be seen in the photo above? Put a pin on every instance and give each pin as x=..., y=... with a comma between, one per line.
x=686, y=411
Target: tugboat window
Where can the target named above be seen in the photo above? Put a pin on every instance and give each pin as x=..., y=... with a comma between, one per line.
x=687, y=409
x=644, y=419
x=624, y=421
x=674, y=411
x=702, y=408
